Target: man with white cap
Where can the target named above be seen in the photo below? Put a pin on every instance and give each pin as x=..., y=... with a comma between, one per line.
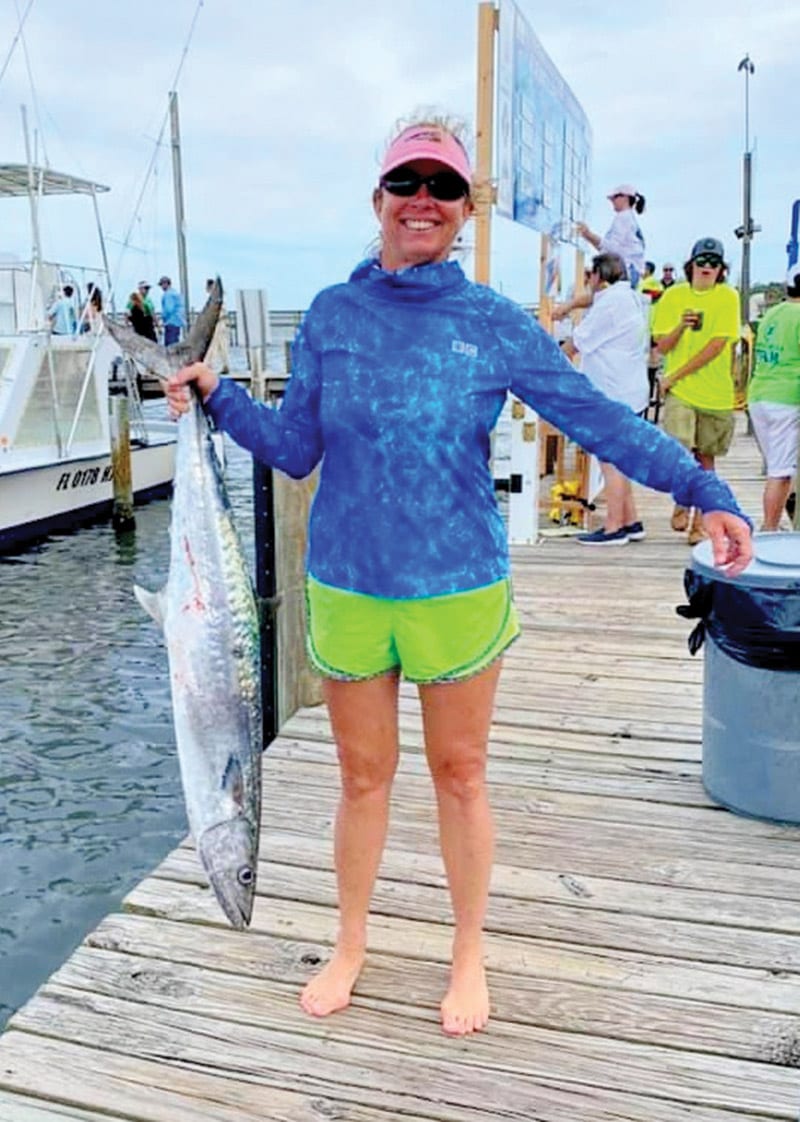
x=773, y=397
x=144, y=292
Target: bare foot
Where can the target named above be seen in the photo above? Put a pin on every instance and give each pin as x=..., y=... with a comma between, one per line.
x=465, y=1007
x=330, y=989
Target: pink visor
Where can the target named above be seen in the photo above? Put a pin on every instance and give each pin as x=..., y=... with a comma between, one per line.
x=427, y=142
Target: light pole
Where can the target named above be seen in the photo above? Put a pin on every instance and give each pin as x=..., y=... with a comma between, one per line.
x=747, y=229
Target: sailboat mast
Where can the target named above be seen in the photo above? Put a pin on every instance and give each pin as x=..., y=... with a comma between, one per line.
x=34, y=205
x=177, y=187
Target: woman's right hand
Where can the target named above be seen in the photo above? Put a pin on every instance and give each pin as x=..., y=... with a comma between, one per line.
x=177, y=387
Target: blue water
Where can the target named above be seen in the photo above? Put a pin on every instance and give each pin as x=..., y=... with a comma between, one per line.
x=90, y=797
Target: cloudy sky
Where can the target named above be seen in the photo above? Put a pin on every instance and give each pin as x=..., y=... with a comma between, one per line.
x=285, y=109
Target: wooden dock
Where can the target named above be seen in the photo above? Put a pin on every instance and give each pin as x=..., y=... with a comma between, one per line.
x=644, y=945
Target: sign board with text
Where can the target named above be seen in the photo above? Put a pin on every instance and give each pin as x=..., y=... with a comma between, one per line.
x=543, y=138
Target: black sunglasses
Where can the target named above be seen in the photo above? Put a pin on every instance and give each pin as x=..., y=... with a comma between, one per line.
x=446, y=186
x=708, y=259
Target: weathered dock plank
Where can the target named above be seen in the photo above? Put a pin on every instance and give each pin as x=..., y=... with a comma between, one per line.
x=643, y=944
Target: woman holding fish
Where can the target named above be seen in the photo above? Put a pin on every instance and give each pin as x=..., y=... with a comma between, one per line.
x=398, y=378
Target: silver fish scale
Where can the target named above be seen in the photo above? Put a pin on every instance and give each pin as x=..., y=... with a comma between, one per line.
x=212, y=634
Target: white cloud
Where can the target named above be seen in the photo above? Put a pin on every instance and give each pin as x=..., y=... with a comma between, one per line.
x=285, y=108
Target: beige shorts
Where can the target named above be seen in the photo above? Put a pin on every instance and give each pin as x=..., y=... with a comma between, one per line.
x=708, y=433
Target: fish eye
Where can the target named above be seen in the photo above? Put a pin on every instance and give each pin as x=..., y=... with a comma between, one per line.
x=245, y=876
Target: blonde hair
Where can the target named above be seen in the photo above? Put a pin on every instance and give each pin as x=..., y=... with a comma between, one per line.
x=430, y=117
x=480, y=191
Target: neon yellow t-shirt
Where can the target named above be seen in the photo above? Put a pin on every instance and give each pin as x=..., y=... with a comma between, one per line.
x=711, y=387
x=777, y=372
x=650, y=287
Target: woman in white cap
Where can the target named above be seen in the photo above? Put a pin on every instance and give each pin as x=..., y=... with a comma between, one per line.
x=624, y=236
x=398, y=377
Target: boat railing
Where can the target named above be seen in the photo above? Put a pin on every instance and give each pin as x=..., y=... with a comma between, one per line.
x=125, y=371
x=28, y=289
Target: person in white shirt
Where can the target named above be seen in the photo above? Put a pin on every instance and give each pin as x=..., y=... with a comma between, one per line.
x=624, y=235
x=612, y=342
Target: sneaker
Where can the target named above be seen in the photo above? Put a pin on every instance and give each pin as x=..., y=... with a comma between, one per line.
x=600, y=537
x=635, y=532
x=680, y=519
x=696, y=535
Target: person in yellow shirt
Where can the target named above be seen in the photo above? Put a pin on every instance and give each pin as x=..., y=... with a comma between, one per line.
x=650, y=286
x=695, y=325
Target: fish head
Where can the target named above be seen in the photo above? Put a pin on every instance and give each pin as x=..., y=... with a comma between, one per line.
x=229, y=854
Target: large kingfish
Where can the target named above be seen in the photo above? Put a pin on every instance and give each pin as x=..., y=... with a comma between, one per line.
x=209, y=616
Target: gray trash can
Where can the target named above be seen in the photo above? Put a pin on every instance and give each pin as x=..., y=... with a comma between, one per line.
x=751, y=687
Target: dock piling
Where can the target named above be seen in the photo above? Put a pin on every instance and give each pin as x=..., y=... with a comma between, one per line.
x=122, y=517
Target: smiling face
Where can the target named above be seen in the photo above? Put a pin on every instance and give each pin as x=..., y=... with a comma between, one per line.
x=418, y=229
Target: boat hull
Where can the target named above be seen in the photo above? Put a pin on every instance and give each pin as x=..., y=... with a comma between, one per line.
x=37, y=501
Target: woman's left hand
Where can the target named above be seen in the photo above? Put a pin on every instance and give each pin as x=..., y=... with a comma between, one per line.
x=177, y=391
x=731, y=541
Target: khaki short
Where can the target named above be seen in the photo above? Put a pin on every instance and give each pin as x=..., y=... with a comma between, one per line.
x=708, y=433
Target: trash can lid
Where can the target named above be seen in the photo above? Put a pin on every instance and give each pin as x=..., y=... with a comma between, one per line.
x=776, y=562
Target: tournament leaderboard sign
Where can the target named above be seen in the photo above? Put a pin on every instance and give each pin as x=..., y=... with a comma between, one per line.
x=543, y=137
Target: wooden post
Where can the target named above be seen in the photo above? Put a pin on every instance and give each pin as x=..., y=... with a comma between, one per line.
x=580, y=285
x=122, y=518
x=298, y=685
x=257, y=375
x=484, y=192
x=550, y=439
x=281, y=508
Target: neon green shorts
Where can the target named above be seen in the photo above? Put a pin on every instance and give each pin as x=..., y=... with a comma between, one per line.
x=351, y=636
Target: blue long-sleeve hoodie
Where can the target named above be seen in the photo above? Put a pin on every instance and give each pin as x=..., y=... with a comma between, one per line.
x=397, y=381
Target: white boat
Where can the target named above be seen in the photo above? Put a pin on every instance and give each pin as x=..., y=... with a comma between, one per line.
x=55, y=427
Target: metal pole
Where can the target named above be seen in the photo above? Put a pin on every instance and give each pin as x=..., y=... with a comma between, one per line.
x=747, y=222
x=266, y=567
x=747, y=229
x=102, y=240
x=177, y=186
x=35, y=233
x=37, y=242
